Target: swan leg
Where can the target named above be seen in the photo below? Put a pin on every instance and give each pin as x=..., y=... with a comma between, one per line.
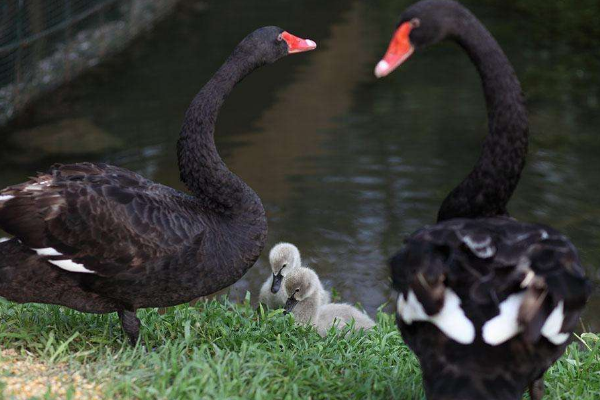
x=536, y=389
x=131, y=325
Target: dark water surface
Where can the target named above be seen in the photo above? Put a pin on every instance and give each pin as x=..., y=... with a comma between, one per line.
x=346, y=165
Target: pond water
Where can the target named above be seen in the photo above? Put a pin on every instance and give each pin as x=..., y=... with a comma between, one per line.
x=346, y=165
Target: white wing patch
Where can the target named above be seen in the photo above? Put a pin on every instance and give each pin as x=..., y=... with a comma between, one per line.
x=482, y=248
x=71, y=266
x=38, y=186
x=6, y=197
x=451, y=319
x=48, y=251
x=503, y=326
x=551, y=328
x=4, y=239
x=68, y=265
x=410, y=309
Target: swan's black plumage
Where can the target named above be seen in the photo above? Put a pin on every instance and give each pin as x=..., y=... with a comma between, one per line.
x=489, y=186
x=478, y=252
x=142, y=244
x=484, y=261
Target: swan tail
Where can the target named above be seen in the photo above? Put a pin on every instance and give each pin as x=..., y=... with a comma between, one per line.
x=25, y=208
x=556, y=291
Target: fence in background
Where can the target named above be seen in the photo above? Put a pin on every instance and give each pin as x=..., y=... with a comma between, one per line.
x=44, y=43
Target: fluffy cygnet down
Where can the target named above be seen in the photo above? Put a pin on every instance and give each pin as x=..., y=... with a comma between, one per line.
x=305, y=303
x=284, y=259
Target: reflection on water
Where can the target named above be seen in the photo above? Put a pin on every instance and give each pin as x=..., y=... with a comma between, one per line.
x=346, y=165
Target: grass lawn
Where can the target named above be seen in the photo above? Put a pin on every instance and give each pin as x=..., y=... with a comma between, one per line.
x=218, y=350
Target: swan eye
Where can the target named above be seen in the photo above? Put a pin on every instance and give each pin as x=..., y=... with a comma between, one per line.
x=280, y=37
x=415, y=22
x=297, y=290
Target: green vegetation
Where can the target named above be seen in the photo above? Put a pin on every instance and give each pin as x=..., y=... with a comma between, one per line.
x=217, y=350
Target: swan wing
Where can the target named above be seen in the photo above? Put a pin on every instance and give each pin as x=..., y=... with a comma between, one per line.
x=98, y=218
x=528, y=275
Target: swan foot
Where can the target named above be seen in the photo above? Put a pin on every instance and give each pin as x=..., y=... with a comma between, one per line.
x=131, y=325
x=536, y=389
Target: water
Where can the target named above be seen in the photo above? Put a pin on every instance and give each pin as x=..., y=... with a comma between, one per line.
x=346, y=165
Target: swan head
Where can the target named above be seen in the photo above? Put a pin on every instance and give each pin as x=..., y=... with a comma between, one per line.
x=270, y=43
x=300, y=285
x=284, y=258
x=422, y=24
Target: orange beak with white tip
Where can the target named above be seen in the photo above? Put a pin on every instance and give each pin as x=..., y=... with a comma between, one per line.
x=296, y=44
x=398, y=51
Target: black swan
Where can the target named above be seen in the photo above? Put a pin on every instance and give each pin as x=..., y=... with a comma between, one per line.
x=100, y=239
x=487, y=303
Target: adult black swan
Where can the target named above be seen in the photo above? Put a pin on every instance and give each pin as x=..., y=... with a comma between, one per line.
x=487, y=303
x=99, y=238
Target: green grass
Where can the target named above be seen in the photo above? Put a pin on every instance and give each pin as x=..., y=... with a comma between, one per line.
x=217, y=350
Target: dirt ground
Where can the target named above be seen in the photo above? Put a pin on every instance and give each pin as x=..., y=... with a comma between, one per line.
x=23, y=377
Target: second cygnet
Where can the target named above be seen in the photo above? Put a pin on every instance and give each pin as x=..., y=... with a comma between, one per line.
x=305, y=303
x=284, y=259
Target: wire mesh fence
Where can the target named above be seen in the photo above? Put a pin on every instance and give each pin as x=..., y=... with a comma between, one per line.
x=44, y=43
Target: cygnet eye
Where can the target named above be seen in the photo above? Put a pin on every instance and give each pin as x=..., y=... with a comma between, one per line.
x=297, y=290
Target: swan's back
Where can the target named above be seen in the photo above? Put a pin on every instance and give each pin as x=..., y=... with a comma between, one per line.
x=491, y=301
x=485, y=261
x=106, y=218
x=340, y=315
x=152, y=241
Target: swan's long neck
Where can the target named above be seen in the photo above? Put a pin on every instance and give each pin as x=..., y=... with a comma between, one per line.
x=201, y=168
x=489, y=186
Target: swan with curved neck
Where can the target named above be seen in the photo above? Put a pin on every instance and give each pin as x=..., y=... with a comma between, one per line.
x=200, y=165
x=99, y=238
x=488, y=187
x=487, y=303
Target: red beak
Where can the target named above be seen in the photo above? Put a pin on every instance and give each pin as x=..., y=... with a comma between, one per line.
x=398, y=51
x=296, y=44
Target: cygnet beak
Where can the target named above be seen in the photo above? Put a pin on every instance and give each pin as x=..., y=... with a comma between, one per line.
x=276, y=285
x=290, y=304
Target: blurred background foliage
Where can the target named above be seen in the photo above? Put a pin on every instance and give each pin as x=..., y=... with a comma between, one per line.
x=559, y=22
x=567, y=36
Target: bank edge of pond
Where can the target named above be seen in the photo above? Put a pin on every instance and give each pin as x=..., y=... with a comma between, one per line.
x=218, y=349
